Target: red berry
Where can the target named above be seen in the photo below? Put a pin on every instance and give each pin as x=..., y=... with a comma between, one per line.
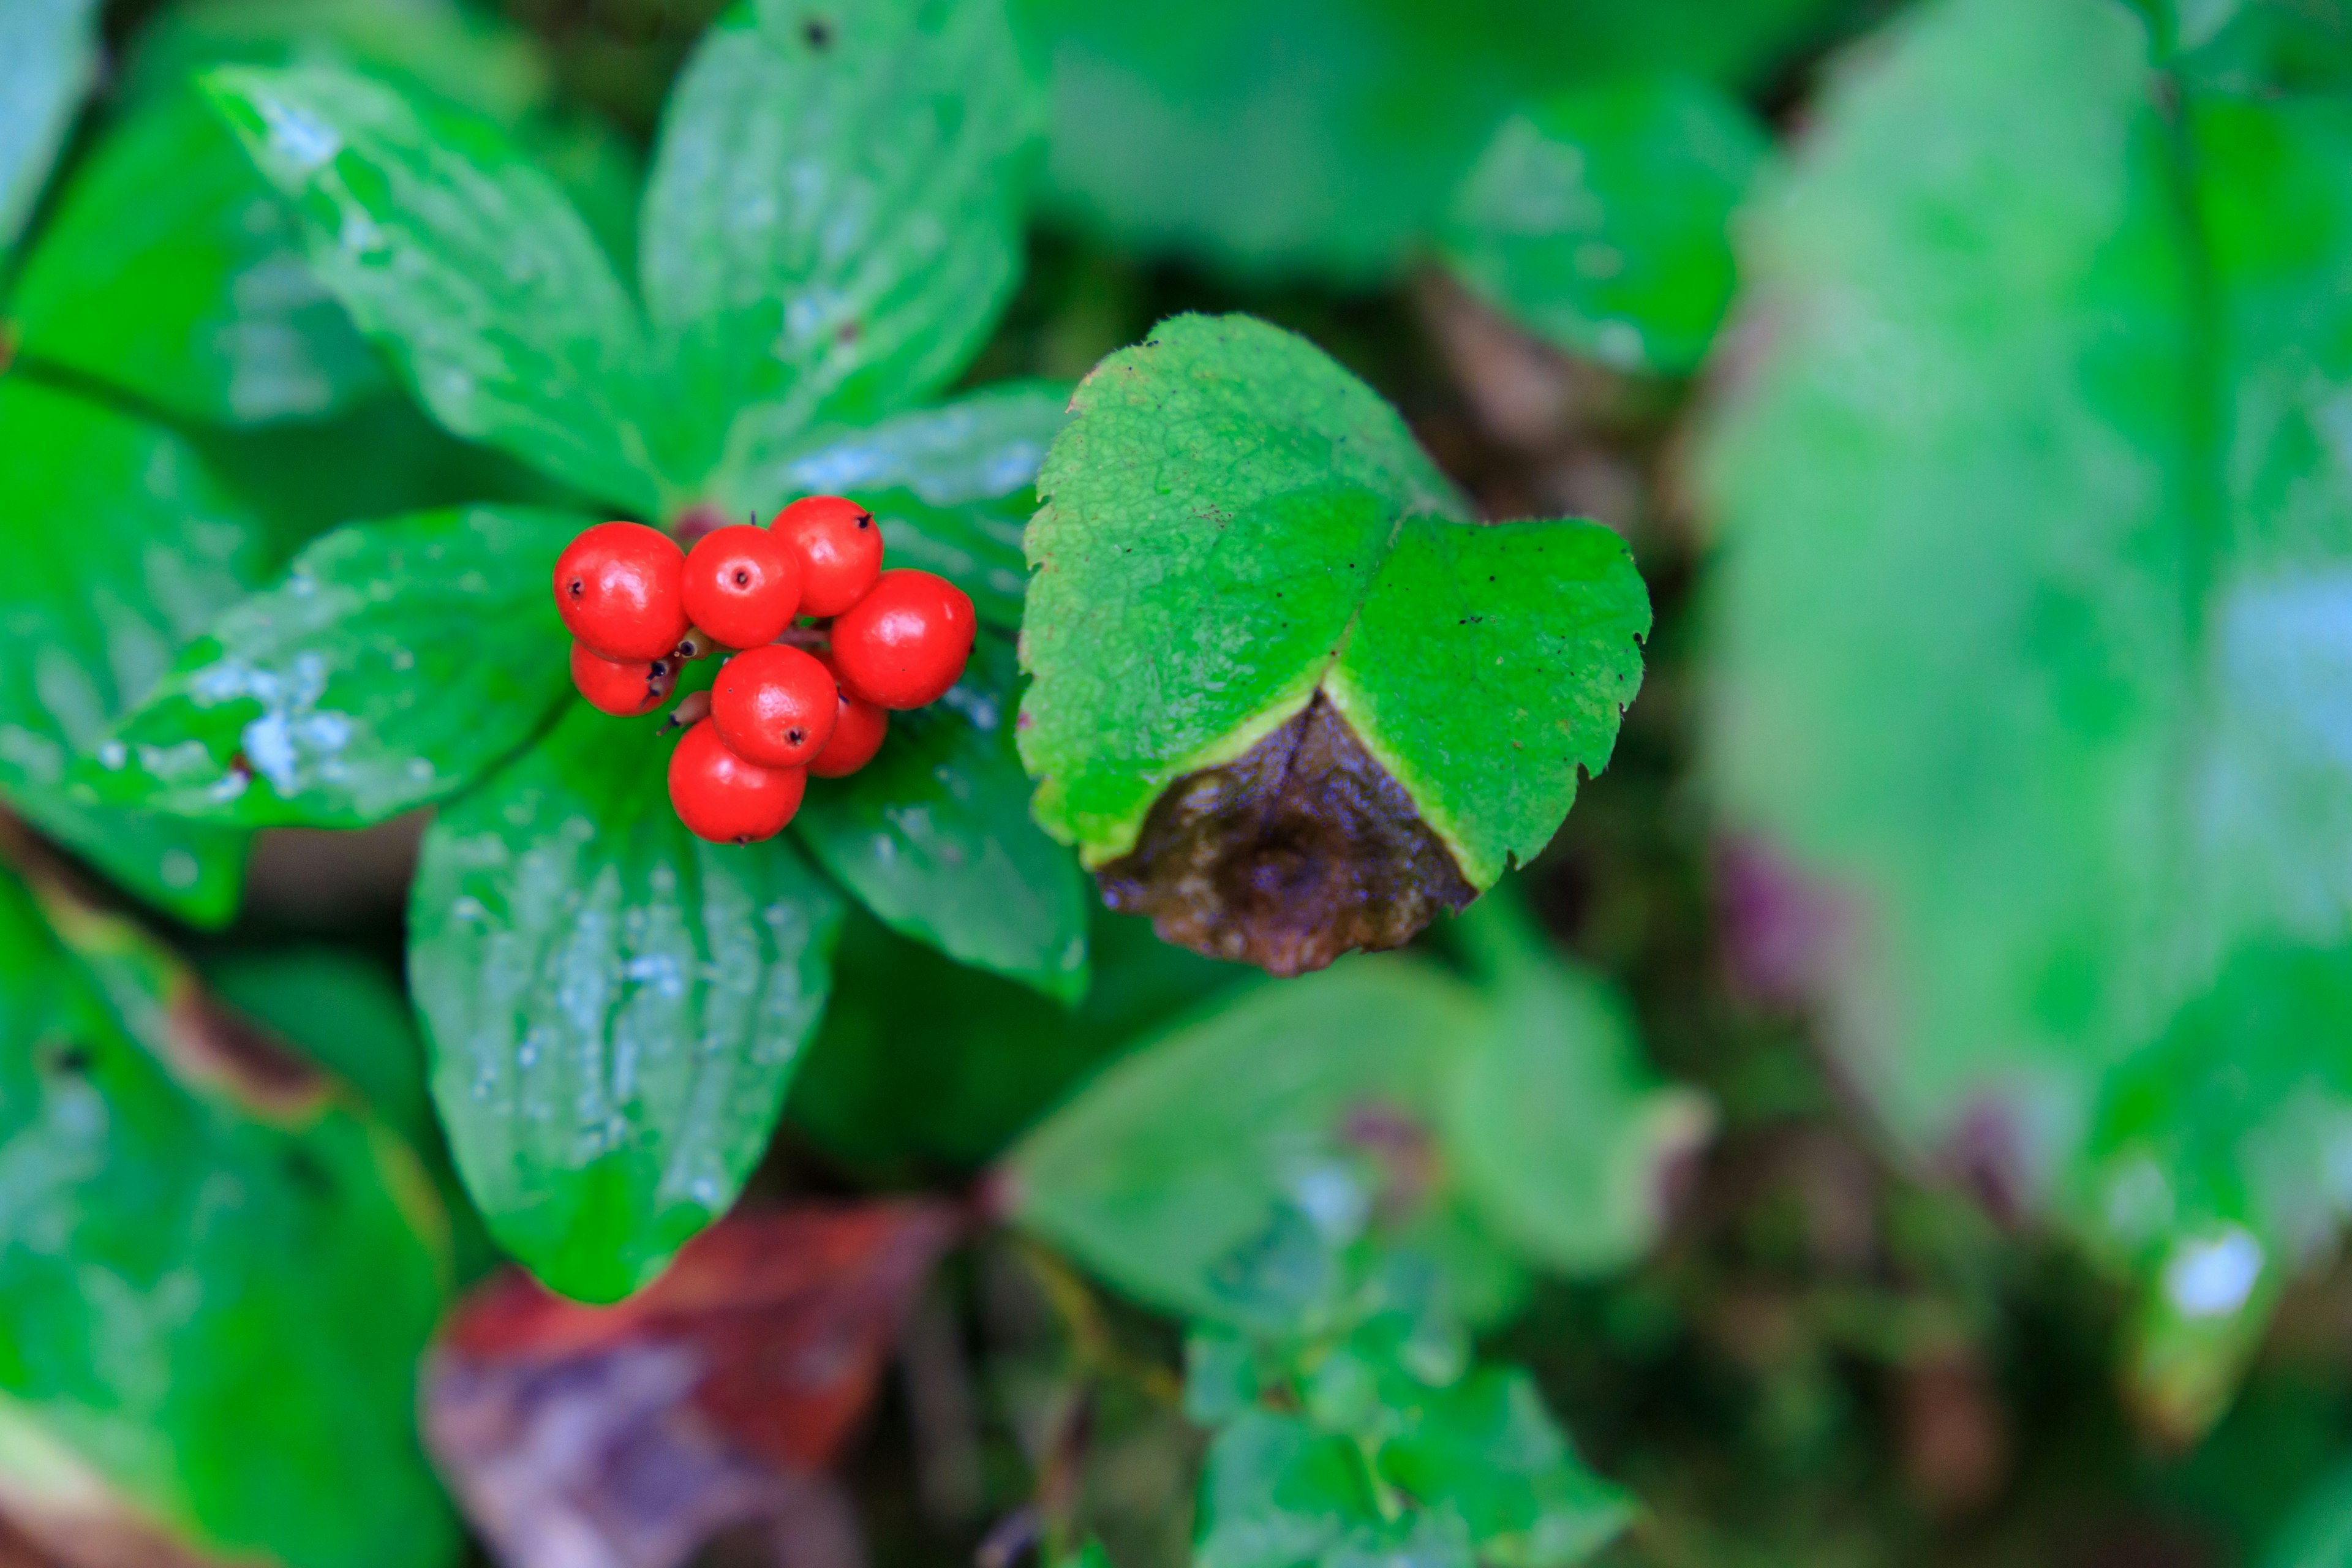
x=905, y=643
x=622, y=686
x=774, y=705
x=722, y=798
x=857, y=730
x=840, y=550
x=742, y=585
x=618, y=587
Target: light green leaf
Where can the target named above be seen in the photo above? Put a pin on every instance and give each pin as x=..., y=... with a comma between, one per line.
x=127, y=545
x=165, y=1371
x=465, y=262
x=934, y=836
x=48, y=53
x=1232, y=526
x=2030, y=631
x=833, y=221
x=396, y=663
x=615, y=1008
x=1600, y=218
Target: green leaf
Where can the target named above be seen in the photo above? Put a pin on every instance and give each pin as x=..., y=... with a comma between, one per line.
x=126, y=545
x=832, y=222
x=346, y=1014
x=1275, y=1493
x=1304, y=1099
x=614, y=1007
x=460, y=257
x=1326, y=135
x=1600, y=218
x=951, y=485
x=48, y=53
x=1234, y=525
x=1555, y=1127
x=2029, y=632
x=166, y=1372
x=396, y=663
x=934, y=836
x=2318, y=1532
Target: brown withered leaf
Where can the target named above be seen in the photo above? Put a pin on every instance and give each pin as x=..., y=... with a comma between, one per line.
x=627, y=1437
x=1298, y=852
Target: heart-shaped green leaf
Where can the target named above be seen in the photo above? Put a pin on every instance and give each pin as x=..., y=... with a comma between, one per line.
x=833, y=221
x=934, y=836
x=396, y=664
x=1263, y=630
x=614, y=1007
x=457, y=253
x=48, y=52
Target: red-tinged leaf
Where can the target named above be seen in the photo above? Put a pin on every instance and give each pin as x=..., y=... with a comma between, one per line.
x=711, y=1399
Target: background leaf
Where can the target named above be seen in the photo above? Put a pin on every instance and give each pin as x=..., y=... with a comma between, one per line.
x=614, y=1007
x=48, y=52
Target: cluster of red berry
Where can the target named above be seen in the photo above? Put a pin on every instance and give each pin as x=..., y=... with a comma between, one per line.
x=796, y=699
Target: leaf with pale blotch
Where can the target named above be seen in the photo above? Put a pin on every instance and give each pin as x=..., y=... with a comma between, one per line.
x=465, y=261
x=48, y=53
x=396, y=664
x=2028, y=635
x=614, y=1007
x=1289, y=699
x=834, y=218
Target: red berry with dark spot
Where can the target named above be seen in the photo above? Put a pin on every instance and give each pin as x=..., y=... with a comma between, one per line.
x=840, y=549
x=722, y=798
x=742, y=585
x=859, y=727
x=905, y=643
x=618, y=587
x=774, y=706
x=622, y=686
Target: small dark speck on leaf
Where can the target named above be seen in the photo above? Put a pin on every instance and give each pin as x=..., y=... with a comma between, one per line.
x=845, y=334
x=302, y=1168
x=65, y=1057
x=817, y=31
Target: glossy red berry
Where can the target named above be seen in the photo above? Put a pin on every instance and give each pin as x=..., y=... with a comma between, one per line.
x=859, y=727
x=618, y=588
x=624, y=687
x=742, y=585
x=840, y=549
x=722, y=798
x=906, y=642
x=774, y=705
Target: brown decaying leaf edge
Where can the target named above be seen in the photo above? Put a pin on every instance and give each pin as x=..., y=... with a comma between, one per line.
x=1301, y=849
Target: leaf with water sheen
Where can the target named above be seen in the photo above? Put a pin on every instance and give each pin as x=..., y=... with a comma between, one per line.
x=833, y=220
x=1601, y=218
x=127, y=545
x=614, y=1007
x=2029, y=634
x=169, y=1378
x=453, y=250
x=48, y=53
x=396, y=663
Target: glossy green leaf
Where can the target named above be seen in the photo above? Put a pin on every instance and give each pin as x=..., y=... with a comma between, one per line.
x=126, y=546
x=1284, y=1099
x=1231, y=523
x=465, y=262
x=2030, y=625
x=48, y=53
x=1326, y=135
x=396, y=663
x=1601, y=219
x=166, y=1371
x=934, y=836
x=615, y=1008
x=833, y=220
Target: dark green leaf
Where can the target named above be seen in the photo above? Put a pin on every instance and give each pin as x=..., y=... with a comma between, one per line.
x=2318, y=1533
x=1235, y=526
x=215, y=1279
x=465, y=262
x=396, y=664
x=934, y=836
x=833, y=220
x=126, y=545
x=1600, y=218
x=2031, y=629
x=347, y=1014
x=48, y=52
x=615, y=1008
